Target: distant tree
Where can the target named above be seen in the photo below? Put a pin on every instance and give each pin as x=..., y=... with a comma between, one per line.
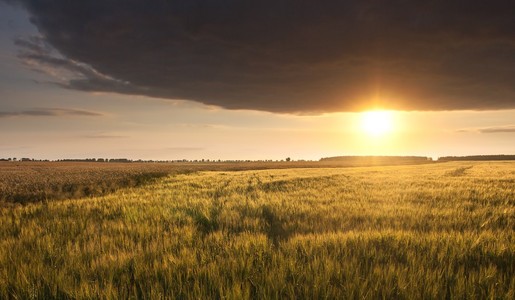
x=288, y=159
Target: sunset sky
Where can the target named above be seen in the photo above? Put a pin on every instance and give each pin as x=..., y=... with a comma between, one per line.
x=255, y=79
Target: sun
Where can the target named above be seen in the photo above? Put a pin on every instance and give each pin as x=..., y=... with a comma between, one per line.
x=377, y=123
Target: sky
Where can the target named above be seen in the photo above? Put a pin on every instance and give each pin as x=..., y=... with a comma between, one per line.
x=255, y=79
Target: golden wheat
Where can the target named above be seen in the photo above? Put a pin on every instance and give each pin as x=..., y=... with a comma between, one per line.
x=404, y=232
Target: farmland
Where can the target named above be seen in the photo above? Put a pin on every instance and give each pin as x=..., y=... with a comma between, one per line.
x=23, y=182
x=432, y=231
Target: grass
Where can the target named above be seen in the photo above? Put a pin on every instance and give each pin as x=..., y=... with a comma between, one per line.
x=25, y=182
x=35, y=182
x=438, y=231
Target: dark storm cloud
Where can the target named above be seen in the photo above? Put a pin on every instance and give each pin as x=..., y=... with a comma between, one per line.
x=50, y=112
x=289, y=55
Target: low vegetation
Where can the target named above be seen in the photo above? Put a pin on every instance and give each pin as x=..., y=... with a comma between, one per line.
x=29, y=181
x=432, y=231
x=32, y=182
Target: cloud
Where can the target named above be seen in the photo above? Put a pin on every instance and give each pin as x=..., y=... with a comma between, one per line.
x=185, y=149
x=15, y=148
x=104, y=136
x=36, y=53
x=285, y=56
x=51, y=112
x=495, y=129
x=509, y=128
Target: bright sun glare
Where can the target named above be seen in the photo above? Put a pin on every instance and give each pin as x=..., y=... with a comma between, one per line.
x=377, y=123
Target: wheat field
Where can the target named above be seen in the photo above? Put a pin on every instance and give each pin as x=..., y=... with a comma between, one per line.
x=435, y=231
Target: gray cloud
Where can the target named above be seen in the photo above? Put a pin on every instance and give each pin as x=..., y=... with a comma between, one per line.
x=509, y=128
x=36, y=53
x=51, y=112
x=185, y=149
x=11, y=148
x=495, y=129
x=104, y=136
x=286, y=56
